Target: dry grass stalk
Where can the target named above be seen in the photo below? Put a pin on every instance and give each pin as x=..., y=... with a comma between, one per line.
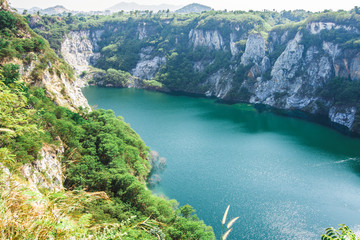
x=232, y=222
x=226, y=234
x=225, y=215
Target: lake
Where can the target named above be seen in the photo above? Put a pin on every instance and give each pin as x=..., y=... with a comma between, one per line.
x=285, y=178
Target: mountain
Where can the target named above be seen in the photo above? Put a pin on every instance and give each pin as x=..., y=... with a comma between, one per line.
x=193, y=8
x=48, y=11
x=54, y=10
x=132, y=6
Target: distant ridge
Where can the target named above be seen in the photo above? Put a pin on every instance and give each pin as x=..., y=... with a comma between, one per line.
x=131, y=6
x=49, y=11
x=55, y=10
x=194, y=8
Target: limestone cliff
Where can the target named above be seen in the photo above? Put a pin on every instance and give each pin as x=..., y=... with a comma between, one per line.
x=148, y=66
x=78, y=49
x=64, y=90
x=210, y=39
x=284, y=69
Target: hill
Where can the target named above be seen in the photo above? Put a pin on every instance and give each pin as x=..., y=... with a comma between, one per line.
x=193, y=8
x=56, y=10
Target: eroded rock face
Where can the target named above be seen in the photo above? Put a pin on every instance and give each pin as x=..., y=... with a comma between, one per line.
x=141, y=31
x=355, y=68
x=46, y=172
x=233, y=48
x=255, y=49
x=210, y=39
x=64, y=91
x=148, y=66
x=291, y=80
x=78, y=49
x=219, y=84
x=317, y=27
x=343, y=115
x=289, y=61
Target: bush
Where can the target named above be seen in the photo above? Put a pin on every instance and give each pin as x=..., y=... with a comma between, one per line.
x=10, y=73
x=7, y=21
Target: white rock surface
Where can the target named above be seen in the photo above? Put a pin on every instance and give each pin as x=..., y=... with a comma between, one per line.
x=254, y=50
x=47, y=171
x=343, y=116
x=148, y=66
x=210, y=39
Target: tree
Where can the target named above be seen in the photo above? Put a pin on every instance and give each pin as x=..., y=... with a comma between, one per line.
x=187, y=211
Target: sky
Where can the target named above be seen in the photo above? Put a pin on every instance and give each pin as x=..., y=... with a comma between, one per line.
x=87, y=5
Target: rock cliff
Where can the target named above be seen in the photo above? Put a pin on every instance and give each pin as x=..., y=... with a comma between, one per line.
x=287, y=70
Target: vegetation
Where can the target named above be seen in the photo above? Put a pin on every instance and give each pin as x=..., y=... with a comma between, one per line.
x=228, y=226
x=102, y=155
x=342, y=91
x=344, y=233
x=112, y=77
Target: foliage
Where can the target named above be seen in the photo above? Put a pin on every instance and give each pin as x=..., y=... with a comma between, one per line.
x=7, y=21
x=343, y=233
x=113, y=77
x=10, y=73
x=26, y=214
x=341, y=91
x=102, y=153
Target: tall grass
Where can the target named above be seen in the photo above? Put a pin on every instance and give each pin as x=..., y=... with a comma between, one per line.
x=228, y=226
x=26, y=213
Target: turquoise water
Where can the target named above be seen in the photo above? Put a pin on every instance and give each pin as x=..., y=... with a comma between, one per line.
x=285, y=178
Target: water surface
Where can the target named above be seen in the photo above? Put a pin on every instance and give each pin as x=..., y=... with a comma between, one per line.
x=286, y=178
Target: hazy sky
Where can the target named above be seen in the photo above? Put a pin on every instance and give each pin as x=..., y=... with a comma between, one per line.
x=313, y=5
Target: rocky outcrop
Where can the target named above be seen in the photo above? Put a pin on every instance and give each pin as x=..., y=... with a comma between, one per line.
x=210, y=39
x=284, y=71
x=46, y=172
x=64, y=90
x=148, y=66
x=286, y=65
x=78, y=49
x=355, y=68
x=255, y=49
x=233, y=48
x=219, y=84
x=141, y=31
x=343, y=116
x=317, y=27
